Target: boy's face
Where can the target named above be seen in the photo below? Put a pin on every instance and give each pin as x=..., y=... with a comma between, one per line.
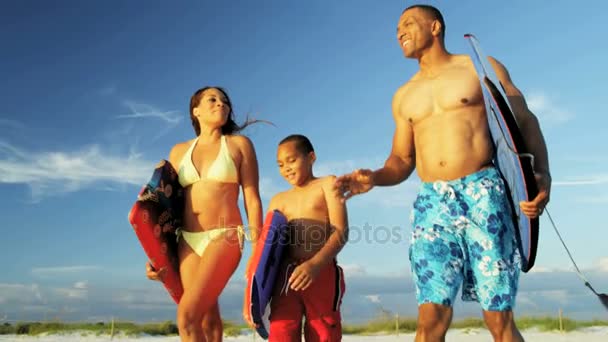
x=294, y=165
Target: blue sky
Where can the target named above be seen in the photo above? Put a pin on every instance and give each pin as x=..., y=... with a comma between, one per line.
x=94, y=94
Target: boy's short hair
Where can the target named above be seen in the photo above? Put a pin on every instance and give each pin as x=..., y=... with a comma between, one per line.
x=303, y=144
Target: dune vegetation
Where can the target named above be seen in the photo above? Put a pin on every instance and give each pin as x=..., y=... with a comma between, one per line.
x=383, y=325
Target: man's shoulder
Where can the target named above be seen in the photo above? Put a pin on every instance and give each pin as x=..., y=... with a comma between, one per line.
x=408, y=84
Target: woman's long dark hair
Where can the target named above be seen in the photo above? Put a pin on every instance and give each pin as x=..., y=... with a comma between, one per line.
x=230, y=127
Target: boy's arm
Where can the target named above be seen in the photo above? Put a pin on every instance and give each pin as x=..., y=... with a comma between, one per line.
x=338, y=221
x=304, y=274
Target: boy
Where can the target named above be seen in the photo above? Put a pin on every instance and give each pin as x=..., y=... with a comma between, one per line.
x=310, y=282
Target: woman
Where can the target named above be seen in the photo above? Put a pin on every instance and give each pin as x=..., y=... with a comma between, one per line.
x=211, y=168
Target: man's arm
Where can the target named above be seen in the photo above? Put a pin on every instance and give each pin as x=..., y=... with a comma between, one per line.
x=533, y=139
x=402, y=160
x=527, y=121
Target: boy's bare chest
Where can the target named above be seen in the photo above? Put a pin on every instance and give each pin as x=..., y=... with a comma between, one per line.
x=308, y=204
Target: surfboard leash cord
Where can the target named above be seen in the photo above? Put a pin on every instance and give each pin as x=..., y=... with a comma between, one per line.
x=603, y=297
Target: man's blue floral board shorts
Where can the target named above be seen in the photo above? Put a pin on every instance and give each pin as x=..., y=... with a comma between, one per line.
x=463, y=234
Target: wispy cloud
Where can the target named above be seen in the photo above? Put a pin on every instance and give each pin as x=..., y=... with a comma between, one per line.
x=373, y=298
x=21, y=294
x=63, y=270
x=78, y=291
x=367, y=295
x=601, y=265
x=353, y=270
x=107, y=90
x=584, y=180
x=142, y=110
x=399, y=196
x=546, y=109
x=11, y=123
x=600, y=199
x=49, y=173
x=269, y=187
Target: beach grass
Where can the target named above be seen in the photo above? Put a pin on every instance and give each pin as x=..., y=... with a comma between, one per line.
x=375, y=326
x=408, y=325
x=167, y=328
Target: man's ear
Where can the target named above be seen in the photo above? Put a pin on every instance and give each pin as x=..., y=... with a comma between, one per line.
x=436, y=28
x=312, y=156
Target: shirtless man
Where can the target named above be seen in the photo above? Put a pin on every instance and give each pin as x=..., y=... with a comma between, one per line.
x=462, y=229
x=311, y=284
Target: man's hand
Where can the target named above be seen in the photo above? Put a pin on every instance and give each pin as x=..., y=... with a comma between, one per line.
x=153, y=274
x=535, y=207
x=355, y=183
x=303, y=276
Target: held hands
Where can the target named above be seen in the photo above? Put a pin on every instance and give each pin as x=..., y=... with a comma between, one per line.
x=358, y=182
x=303, y=276
x=153, y=274
x=535, y=207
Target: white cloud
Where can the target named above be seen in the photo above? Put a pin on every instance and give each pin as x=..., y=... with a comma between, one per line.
x=584, y=180
x=76, y=292
x=546, y=109
x=373, y=298
x=600, y=199
x=540, y=269
x=21, y=294
x=54, y=172
x=398, y=196
x=268, y=188
x=601, y=265
x=81, y=285
x=366, y=296
x=353, y=270
x=63, y=270
x=142, y=110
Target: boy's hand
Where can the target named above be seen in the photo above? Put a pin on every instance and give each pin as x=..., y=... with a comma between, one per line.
x=153, y=274
x=247, y=313
x=303, y=276
x=357, y=182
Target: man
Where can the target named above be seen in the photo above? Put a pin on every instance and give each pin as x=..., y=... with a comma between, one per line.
x=462, y=229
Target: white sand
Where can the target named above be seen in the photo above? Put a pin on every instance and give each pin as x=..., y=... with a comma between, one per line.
x=594, y=334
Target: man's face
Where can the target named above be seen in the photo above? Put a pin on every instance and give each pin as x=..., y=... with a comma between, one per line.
x=413, y=32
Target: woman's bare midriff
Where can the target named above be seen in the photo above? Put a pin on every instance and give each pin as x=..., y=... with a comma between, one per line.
x=211, y=205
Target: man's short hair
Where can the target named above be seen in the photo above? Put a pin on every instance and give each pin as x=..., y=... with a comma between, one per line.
x=433, y=14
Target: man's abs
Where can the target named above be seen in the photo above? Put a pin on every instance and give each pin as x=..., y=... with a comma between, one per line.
x=452, y=145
